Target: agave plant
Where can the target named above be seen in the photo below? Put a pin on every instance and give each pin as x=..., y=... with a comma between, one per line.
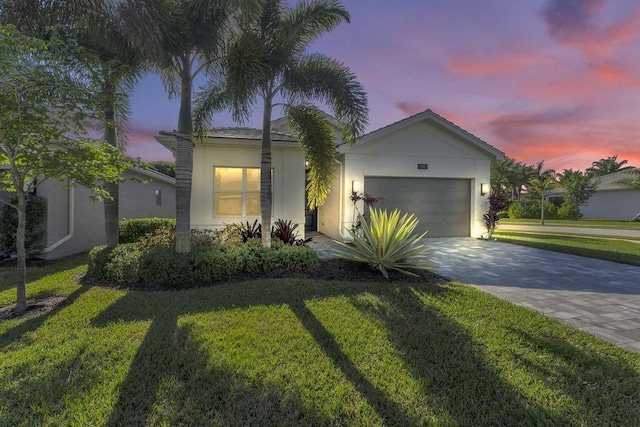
x=387, y=243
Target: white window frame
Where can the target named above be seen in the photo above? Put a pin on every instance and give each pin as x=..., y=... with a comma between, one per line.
x=244, y=192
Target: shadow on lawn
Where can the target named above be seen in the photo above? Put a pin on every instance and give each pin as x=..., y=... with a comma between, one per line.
x=16, y=333
x=39, y=271
x=462, y=387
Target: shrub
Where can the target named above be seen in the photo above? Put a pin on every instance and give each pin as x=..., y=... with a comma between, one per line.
x=285, y=232
x=36, y=210
x=387, y=243
x=248, y=231
x=514, y=211
x=119, y=265
x=131, y=230
x=568, y=211
x=130, y=264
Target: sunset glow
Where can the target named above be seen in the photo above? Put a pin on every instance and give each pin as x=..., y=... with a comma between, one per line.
x=552, y=80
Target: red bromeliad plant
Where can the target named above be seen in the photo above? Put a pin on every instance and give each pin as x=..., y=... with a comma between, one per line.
x=496, y=206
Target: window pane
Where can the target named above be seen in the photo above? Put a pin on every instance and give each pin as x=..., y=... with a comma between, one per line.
x=228, y=179
x=228, y=204
x=253, y=204
x=253, y=179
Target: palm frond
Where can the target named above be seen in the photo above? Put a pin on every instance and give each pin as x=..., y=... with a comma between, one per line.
x=320, y=77
x=315, y=136
x=309, y=20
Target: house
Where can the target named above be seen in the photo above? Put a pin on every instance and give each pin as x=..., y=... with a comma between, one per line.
x=423, y=164
x=610, y=201
x=75, y=223
x=226, y=177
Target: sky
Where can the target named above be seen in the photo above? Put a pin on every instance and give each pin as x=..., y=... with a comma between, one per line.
x=552, y=80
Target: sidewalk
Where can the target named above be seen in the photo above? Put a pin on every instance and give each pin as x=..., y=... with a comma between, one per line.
x=571, y=230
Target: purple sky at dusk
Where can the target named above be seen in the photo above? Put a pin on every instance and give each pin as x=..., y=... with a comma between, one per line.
x=552, y=80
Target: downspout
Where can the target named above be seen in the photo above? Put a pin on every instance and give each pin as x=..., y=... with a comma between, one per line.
x=345, y=238
x=71, y=216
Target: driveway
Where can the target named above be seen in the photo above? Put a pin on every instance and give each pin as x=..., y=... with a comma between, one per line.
x=597, y=296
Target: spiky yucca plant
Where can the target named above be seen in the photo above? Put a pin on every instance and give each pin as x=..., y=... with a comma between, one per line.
x=387, y=243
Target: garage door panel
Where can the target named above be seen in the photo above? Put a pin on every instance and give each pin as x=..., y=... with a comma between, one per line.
x=441, y=205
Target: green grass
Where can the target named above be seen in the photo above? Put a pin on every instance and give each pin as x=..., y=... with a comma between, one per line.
x=585, y=223
x=607, y=248
x=303, y=352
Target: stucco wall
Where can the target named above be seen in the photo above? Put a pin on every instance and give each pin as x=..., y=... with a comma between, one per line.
x=329, y=222
x=288, y=180
x=399, y=153
x=137, y=200
x=613, y=204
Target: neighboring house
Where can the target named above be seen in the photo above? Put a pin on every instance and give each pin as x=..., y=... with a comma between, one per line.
x=610, y=201
x=424, y=165
x=75, y=223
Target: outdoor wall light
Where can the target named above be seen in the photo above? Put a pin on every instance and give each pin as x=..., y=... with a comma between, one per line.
x=484, y=188
x=355, y=186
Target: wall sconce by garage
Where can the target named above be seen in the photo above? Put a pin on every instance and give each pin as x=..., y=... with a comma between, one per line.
x=355, y=186
x=484, y=189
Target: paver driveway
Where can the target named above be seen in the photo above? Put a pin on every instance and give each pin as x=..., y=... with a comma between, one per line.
x=601, y=297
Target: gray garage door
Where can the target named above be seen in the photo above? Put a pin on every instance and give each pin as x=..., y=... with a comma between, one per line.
x=441, y=205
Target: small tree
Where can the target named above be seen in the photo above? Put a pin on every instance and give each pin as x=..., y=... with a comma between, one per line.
x=541, y=187
x=577, y=189
x=43, y=117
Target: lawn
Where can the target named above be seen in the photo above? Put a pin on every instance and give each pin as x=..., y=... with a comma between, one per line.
x=302, y=352
x=585, y=223
x=615, y=249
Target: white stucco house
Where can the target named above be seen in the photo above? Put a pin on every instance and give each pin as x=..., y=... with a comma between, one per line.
x=610, y=201
x=423, y=164
x=74, y=223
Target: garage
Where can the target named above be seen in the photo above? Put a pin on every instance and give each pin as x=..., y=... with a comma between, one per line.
x=442, y=205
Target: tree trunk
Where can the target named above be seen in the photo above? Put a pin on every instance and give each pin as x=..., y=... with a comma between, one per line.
x=21, y=271
x=111, y=206
x=265, y=174
x=184, y=164
x=542, y=209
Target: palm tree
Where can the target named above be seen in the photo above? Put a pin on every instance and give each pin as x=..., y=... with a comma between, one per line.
x=194, y=39
x=268, y=61
x=607, y=166
x=541, y=186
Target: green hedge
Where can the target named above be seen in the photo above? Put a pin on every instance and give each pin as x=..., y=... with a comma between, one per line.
x=36, y=210
x=162, y=267
x=131, y=230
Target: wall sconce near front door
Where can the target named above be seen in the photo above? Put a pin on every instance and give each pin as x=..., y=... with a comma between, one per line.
x=355, y=186
x=484, y=189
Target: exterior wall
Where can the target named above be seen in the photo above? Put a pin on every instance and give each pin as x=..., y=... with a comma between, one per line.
x=398, y=154
x=329, y=214
x=137, y=200
x=613, y=204
x=288, y=180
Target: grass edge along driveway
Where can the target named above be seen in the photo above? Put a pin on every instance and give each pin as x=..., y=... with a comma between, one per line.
x=303, y=352
x=610, y=248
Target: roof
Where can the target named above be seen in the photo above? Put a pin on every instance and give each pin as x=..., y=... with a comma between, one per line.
x=153, y=174
x=607, y=182
x=167, y=138
x=436, y=118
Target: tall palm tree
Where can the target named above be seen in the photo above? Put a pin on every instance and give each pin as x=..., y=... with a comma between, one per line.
x=196, y=33
x=606, y=166
x=269, y=62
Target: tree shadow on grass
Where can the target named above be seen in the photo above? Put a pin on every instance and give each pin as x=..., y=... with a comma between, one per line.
x=34, y=273
x=607, y=391
x=461, y=387
x=13, y=335
x=170, y=381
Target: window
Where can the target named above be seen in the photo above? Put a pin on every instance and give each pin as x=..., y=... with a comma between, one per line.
x=158, y=197
x=236, y=192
